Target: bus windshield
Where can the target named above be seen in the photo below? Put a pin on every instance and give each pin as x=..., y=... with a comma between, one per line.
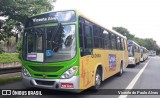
x=130, y=51
x=50, y=44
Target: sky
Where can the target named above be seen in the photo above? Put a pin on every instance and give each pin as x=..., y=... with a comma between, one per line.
x=140, y=17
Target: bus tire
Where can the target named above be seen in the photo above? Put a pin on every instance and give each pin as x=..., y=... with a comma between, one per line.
x=121, y=70
x=98, y=80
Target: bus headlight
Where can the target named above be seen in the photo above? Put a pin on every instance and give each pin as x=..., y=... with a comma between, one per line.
x=69, y=73
x=25, y=72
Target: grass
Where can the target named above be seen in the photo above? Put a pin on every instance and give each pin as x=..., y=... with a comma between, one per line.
x=9, y=57
x=10, y=79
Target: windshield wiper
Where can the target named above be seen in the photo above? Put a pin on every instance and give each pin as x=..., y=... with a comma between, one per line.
x=54, y=33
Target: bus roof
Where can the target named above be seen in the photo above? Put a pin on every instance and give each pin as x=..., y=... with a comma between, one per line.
x=52, y=11
x=130, y=42
x=98, y=23
x=144, y=48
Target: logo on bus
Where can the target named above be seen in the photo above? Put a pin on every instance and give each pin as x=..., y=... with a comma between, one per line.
x=96, y=55
x=43, y=75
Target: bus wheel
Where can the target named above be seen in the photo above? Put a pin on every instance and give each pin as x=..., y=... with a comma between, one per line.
x=98, y=80
x=121, y=71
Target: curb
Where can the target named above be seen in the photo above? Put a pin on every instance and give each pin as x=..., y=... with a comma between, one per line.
x=10, y=65
x=9, y=75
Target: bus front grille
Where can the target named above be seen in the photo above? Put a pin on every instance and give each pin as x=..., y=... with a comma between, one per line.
x=46, y=68
x=48, y=76
x=40, y=82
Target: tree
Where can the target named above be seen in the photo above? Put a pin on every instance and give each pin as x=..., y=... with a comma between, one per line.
x=17, y=11
x=8, y=31
x=1, y=31
x=20, y=10
x=124, y=32
x=149, y=43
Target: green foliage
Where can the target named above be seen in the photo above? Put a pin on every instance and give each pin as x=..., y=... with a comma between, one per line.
x=9, y=57
x=7, y=29
x=9, y=80
x=19, y=47
x=1, y=31
x=1, y=50
x=124, y=32
x=19, y=10
x=149, y=43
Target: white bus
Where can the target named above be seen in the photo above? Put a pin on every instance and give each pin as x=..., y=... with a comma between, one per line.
x=152, y=53
x=144, y=53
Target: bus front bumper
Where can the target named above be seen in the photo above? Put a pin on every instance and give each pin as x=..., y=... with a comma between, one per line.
x=142, y=59
x=71, y=84
x=131, y=61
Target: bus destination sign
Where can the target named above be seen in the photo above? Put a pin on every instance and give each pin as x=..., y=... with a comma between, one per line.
x=45, y=19
x=52, y=17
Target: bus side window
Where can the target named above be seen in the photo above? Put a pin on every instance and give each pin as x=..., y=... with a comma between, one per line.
x=80, y=35
x=110, y=41
x=85, y=39
x=135, y=48
x=139, y=49
x=88, y=46
x=101, y=39
x=113, y=41
x=96, y=34
x=81, y=39
x=122, y=44
x=118, y=43
x=106, y=39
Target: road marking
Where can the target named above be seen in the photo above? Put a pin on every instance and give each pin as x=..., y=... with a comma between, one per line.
x=132, y=83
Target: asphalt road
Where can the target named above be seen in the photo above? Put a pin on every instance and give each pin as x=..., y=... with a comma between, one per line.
x=148, y=79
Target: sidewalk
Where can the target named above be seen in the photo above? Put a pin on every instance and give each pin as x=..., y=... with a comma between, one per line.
x=10, y=65
x=10, y=75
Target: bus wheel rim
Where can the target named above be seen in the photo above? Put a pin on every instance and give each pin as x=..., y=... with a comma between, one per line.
x=121, y=70
x=98, y=80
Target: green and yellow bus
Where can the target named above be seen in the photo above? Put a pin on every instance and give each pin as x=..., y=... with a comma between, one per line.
x=134, y=54
x=65, y=50
x=144, y=53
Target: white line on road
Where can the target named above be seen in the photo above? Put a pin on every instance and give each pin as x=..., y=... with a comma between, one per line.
x=132, y=83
